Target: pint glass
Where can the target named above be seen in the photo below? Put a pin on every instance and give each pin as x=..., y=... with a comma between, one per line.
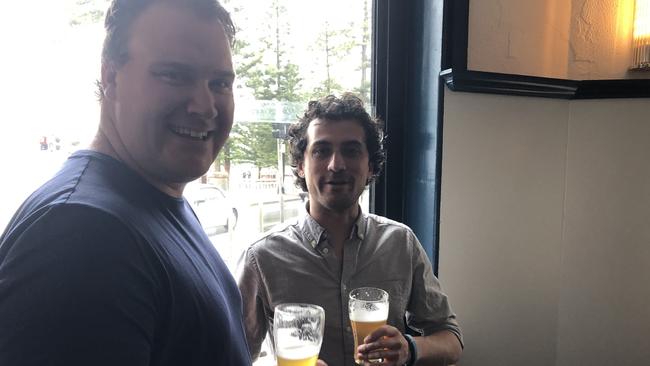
x=368, y=311
x=298, y=333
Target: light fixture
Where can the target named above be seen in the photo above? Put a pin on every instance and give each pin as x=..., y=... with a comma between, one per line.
x=641, y=36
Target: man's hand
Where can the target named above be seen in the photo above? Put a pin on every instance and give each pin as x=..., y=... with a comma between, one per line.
x=386, y=343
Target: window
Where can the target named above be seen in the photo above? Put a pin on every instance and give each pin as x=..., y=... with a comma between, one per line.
x=286, y=53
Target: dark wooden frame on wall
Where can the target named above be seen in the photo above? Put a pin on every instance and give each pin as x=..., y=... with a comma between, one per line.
x=458, y=78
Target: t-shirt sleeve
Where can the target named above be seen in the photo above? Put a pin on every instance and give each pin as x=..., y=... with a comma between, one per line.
x=77, y=288
x=428, y=310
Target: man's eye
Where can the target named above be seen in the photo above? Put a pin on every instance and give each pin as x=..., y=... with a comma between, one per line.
x=352, y=152
x=221, y=86
x=320, y=152
x=173, y=77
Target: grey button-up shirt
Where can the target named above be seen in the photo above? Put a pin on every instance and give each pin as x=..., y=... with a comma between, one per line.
x=296, y=263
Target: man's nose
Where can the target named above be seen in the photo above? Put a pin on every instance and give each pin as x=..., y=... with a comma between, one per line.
x=336, y=163
x=203, y=103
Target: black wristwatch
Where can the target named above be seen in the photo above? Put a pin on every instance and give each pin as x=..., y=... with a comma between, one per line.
x=413, y=350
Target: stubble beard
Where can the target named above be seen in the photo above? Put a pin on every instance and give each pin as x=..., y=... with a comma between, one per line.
x=340, y=201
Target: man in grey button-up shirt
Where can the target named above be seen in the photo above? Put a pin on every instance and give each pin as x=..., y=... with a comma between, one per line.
x=333, y=248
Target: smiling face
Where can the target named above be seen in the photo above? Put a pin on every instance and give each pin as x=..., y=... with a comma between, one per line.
x=168, y=110
x=335, y=166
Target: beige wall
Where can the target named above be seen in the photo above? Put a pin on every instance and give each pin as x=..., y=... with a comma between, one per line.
x=526, y=37
x=545, y=229
x=566, y=39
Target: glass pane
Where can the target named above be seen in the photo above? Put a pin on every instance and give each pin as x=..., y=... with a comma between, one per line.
x=50, y=62
x=284, y=57
x=287, y=52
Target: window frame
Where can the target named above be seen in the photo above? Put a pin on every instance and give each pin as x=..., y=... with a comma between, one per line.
x=408, y=93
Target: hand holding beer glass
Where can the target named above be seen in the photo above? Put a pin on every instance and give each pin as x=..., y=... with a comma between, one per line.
x=298, y=333
x=368, y=311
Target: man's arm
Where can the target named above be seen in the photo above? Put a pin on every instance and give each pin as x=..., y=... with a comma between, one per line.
x=440, y=348
x=428, y=312
x=250, y=286
x=75, y=290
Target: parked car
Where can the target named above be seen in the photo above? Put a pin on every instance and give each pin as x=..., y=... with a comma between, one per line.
x=215, y=211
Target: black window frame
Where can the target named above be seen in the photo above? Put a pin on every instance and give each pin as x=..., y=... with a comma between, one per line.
x=407, y=94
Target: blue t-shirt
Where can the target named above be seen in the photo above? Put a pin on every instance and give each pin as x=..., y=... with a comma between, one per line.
x=98, y=267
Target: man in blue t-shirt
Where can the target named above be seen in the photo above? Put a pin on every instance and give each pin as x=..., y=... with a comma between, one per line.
x=106, y=264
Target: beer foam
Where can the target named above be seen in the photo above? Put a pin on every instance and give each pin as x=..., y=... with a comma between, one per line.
x=362, y=315
x=298, y=352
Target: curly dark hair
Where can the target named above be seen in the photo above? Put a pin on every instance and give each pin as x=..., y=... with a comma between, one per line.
x=121, y=15
x=347, y=107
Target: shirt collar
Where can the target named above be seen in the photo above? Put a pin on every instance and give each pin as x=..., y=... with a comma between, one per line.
x=315, y=233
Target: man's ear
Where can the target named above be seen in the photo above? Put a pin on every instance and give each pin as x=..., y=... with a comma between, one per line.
x=108, y=80
x=301, y=171
x=371, y=174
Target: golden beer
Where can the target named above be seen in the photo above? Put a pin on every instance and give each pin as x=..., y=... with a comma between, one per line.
x=368, y=310
x=361, y=331
x=297, y=356
x=311, y=361
x=298, y=333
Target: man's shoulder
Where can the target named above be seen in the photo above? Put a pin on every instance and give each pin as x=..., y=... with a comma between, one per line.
x=377, y=221
x=73, y=217
x=391, y=234
x=278, y=235
x=59, y=227
x=282, y=238
x=92, y=183
x=79, y=183
x=60, y=187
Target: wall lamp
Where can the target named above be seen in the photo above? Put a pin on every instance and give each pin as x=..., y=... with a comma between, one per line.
x=641, y=40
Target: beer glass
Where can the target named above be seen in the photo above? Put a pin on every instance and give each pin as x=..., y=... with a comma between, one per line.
x=298, y=333
x=368, y=311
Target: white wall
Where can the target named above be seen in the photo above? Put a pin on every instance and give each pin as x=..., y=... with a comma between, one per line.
x=604, y=308
x=545, y=229
x=566, y=39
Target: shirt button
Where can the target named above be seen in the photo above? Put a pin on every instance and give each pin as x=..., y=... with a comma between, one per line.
x=326, y=250
x=348, y=329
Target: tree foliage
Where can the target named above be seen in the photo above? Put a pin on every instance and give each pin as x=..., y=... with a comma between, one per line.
x=269, y=83
x=333, y=44
x=253, y=143
x=266, y=67
x=88, y=11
